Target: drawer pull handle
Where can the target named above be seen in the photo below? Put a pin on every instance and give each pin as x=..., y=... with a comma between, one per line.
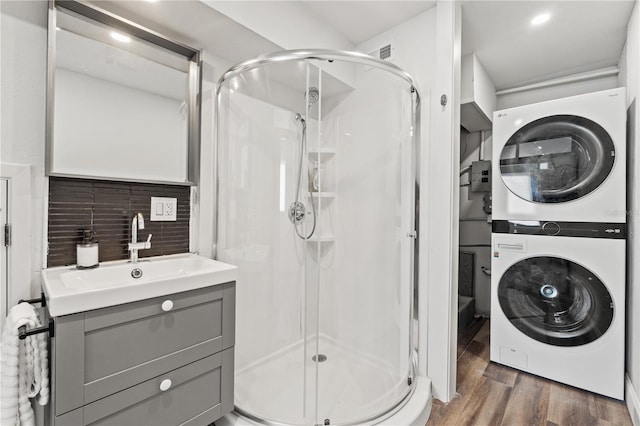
x=167, y=305
x=165, y=385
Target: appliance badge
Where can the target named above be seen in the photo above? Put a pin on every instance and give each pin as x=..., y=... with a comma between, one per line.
x=502, y=114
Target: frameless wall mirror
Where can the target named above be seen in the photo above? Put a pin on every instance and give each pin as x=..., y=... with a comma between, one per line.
x=123, y=100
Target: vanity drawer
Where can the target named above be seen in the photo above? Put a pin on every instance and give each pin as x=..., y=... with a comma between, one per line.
x=195, y=394
x=195, y=388
x=124, y=345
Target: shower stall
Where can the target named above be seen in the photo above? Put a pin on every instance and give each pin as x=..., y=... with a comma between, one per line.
x=316, y=204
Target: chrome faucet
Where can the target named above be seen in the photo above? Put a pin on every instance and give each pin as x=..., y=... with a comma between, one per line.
x=137, y=223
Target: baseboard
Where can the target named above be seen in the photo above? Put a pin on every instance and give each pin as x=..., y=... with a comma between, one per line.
x=633, y=403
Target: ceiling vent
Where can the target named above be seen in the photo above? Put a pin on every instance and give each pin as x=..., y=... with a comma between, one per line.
x=385, y=52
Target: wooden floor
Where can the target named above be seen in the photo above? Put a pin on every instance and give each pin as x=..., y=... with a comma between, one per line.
x=492, y=394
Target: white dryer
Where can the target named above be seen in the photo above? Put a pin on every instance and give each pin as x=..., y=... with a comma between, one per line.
x=562, y=159
x=558, y=302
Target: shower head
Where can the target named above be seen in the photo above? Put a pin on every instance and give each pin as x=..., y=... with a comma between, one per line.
x=300, y=119
x=312, y=95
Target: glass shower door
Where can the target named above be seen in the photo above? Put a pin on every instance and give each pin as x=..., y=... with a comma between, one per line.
x=361, y=253
x=317, y=235
x=264, y=224
x=310, y=232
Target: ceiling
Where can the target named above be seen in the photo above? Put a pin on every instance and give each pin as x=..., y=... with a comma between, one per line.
x=579, y=36
x=195, y=24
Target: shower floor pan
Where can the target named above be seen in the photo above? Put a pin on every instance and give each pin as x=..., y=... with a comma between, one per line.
x=351, y=387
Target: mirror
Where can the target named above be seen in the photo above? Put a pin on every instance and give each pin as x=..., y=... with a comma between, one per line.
x=122, y=100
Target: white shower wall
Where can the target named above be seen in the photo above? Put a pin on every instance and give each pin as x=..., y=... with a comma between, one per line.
x=364, y=273
x=256, y=235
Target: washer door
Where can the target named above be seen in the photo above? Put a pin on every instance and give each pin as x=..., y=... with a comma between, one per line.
x=555, y=301
x=557, y=159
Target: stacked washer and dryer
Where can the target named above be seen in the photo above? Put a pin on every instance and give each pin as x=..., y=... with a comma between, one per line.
x=558, y=240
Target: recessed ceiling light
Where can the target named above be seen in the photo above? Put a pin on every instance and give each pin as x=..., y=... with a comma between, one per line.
x=540, y=19
x=120, y=37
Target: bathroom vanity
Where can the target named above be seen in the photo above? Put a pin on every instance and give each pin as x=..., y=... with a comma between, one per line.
x=164, y=360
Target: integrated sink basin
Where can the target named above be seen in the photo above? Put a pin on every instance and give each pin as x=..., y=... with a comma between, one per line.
x=69, y=290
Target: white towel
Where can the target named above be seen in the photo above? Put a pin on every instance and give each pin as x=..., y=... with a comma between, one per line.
x=25, y=372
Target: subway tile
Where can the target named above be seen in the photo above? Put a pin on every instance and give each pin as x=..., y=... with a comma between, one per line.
x=107, y=207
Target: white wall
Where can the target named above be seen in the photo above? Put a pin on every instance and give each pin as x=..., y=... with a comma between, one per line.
x=23, y=87
x=630, y=77
x=290, y=24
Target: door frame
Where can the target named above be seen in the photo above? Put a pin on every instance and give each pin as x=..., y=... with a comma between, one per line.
x=18, y=177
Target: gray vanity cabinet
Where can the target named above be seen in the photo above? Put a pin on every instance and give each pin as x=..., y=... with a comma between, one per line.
x=161, y=361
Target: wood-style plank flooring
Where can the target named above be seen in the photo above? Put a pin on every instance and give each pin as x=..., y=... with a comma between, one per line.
x=492, y=394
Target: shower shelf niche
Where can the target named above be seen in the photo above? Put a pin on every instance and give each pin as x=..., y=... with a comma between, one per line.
x=322, y=194
x=323, y=153
x=322, y=239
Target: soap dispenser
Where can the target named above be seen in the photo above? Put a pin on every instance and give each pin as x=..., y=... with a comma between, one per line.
x=87, y=251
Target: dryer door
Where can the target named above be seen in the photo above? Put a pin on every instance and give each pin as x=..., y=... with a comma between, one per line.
x=555, y=301
x=557, y=159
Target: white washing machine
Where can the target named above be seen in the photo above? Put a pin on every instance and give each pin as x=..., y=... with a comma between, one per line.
x=558, y=302
x=563, y=159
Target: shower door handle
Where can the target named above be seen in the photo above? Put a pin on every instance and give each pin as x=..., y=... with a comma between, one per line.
x=412, y=234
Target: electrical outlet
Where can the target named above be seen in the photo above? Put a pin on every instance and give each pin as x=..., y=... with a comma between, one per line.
x=163, y=209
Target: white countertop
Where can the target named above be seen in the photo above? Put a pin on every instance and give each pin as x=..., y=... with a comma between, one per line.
x=69, y=290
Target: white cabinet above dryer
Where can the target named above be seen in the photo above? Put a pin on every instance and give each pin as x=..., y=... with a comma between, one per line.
x=477, y=95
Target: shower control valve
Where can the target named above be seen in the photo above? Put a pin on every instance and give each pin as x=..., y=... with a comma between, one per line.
x=297, y=211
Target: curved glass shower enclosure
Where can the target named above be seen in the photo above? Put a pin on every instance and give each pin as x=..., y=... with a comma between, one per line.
x=316, y=170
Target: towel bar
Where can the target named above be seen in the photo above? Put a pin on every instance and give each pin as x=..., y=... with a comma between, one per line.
x=23, y=332
x=42, y=300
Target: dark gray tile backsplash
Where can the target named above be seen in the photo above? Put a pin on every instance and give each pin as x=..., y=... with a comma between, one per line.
x=107, y=208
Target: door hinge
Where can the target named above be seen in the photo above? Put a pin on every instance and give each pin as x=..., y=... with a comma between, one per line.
x=7, y=235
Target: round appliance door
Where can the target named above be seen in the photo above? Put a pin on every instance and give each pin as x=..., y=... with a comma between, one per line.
x=555, y=301
x=557, y=159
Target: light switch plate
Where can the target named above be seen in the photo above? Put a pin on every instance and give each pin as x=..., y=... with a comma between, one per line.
x=163, y=209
